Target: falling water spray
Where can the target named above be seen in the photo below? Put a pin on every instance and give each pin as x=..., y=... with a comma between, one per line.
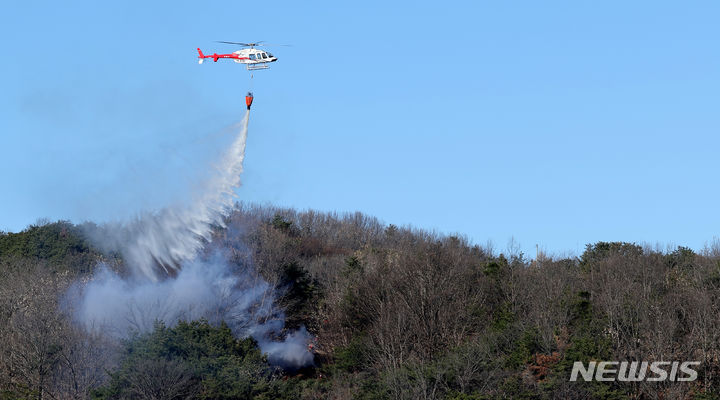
x=170, y=281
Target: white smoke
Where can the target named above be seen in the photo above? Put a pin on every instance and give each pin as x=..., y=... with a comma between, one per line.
x=188, y=287
x=202, y=289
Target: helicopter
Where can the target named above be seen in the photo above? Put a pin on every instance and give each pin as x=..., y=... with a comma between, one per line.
x=252, y=57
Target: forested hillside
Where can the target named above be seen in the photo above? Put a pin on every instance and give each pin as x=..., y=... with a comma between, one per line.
x=396, y=313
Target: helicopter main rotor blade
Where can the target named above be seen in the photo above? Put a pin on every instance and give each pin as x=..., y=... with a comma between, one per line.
x=255, y=44
x=240, y=44
x=243, y=44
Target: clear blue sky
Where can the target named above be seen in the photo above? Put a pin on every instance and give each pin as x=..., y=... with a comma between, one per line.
x=556, y=123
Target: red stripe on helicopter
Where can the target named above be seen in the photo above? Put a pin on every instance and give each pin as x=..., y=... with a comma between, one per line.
x=224, y=56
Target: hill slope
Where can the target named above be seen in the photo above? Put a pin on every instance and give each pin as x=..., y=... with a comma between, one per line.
x=395, y=312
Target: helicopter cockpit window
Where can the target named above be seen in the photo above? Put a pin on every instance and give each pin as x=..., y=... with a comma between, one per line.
x=252, y=56
x=270, y=55
x=264, y=55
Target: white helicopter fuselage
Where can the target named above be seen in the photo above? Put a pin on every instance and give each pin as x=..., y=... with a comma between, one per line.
x=255, y=58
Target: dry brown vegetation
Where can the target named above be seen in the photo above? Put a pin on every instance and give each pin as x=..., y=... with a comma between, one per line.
x=401, y=313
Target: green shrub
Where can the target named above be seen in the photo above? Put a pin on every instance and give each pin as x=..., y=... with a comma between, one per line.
x=194, y=359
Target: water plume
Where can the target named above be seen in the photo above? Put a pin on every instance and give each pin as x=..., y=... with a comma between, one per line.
x=170, y=281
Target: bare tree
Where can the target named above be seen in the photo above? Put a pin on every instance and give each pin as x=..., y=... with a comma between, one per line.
x=161, y=379
x=43, y=353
